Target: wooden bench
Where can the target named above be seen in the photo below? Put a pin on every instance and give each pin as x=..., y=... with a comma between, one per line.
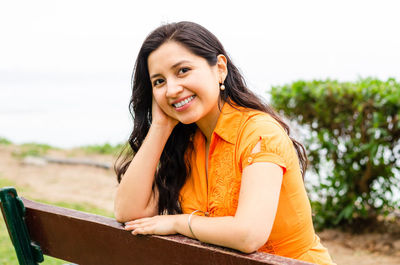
x=88, y=239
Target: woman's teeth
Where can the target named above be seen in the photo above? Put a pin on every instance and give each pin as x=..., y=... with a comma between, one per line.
x=183, y=102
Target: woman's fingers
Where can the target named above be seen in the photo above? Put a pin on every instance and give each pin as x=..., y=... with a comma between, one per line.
x=139, y=226
x=143, y=230
x=129, y=227
x=160, y=225
x=138, y=221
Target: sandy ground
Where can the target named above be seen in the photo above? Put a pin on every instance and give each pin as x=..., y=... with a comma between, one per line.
x=96, y=186
x=57, y=182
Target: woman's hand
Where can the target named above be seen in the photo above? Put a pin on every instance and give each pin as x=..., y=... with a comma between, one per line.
x=159, y=117
x=159, y=225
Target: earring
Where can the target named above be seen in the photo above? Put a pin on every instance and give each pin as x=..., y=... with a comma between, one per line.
x=222, y=86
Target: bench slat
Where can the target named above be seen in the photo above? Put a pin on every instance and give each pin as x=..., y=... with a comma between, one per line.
x=88, y=239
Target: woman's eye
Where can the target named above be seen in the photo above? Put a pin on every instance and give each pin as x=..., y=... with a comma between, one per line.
x=157, y=82
x=183, y=70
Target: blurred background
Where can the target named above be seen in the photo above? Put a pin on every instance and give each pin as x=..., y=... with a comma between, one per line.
x=65, y=66
x=331, y=67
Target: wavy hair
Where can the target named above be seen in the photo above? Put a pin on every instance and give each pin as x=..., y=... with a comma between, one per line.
x=174, y=166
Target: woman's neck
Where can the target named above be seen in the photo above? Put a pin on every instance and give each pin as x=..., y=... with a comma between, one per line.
x=208, y=123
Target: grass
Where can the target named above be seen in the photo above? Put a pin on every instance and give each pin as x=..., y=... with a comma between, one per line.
x=83, y=207
x=6, y=182
x=7, y=252
x=106, y=148
x=4, y=141
x=38, y=149
x=32, y=149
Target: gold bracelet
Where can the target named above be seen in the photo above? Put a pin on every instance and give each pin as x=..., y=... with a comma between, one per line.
x=190, y=218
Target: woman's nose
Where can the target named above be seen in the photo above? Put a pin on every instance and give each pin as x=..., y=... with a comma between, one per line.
x=173, y=89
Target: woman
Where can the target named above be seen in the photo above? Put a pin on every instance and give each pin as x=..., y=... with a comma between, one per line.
x=209, y=160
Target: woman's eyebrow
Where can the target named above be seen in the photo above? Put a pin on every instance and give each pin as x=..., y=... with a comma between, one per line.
x=172, y=67
x=179, y=63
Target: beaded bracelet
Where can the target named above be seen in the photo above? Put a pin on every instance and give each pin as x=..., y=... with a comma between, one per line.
x=190, y=218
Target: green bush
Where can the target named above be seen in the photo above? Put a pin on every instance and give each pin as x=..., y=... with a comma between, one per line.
x=353, y=137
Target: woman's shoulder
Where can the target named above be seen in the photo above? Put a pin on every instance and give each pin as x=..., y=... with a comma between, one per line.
x=256, y=120
x=260, y=126
x=249, y=125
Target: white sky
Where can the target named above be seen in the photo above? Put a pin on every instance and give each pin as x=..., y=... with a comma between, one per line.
x=65, y=66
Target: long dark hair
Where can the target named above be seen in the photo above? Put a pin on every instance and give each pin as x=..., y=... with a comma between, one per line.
x=174, y=166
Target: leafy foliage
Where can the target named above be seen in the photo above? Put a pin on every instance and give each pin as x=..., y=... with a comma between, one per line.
x=354, y=139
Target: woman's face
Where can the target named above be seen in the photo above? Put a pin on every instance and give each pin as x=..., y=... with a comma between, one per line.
x=184, y=85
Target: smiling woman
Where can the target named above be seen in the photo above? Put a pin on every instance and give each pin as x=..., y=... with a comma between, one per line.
x=208, y=159
x=184, y=80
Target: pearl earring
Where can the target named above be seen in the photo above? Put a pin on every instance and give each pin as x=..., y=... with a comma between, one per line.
x=222, y=87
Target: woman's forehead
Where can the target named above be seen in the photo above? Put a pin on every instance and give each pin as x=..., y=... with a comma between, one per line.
x=169, y=54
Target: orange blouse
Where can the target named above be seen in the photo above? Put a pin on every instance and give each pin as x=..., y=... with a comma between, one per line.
x=237, y=132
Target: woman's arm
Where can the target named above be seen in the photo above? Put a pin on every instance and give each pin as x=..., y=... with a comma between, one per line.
x=135, y=198
x=247, y=231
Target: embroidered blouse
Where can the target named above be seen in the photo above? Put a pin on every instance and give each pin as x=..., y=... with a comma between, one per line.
x=237, y=132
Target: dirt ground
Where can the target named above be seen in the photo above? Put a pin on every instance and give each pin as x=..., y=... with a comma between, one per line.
x=96, y=186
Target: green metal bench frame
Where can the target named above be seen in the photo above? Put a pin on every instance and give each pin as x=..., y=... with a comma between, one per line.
x=13, y=209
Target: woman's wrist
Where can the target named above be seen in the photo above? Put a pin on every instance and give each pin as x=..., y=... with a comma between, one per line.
x=158, y=130
x=180, y=225
x=164, y=128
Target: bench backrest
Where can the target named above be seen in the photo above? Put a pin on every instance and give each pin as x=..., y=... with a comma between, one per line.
x=87, y=239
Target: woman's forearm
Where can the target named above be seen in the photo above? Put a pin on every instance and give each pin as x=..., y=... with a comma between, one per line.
x=134, y=197
x=247, y=231
x=223, y=231
x=227, y=231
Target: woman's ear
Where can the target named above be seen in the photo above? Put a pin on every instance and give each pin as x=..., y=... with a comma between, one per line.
x=222, y=67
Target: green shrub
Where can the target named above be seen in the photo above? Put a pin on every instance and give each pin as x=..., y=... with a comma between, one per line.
x=353, y=138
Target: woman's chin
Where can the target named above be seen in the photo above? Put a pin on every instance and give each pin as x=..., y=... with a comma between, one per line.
x=187, y=122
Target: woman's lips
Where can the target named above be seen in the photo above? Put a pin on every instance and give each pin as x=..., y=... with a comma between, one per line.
x=184, y=103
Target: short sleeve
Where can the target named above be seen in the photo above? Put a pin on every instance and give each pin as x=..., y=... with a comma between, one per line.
x=275, y=145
